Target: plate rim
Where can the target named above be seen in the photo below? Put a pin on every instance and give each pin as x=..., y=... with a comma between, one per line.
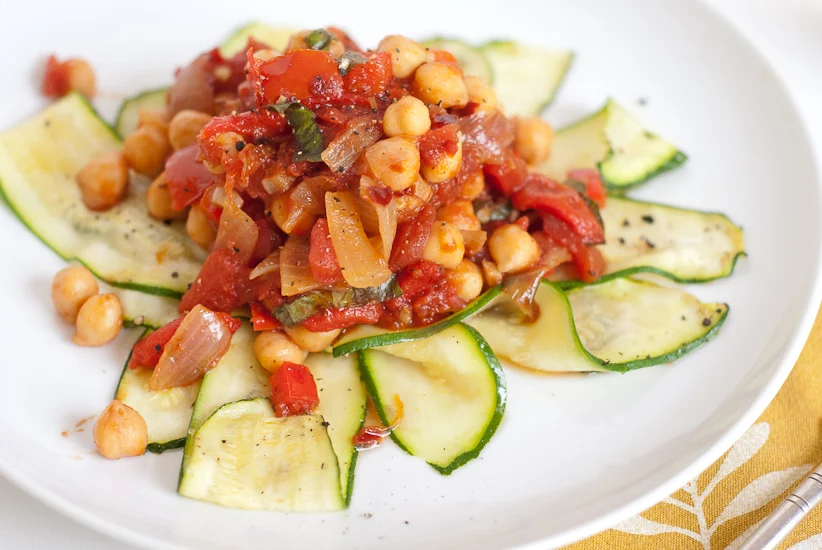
x=649, y=498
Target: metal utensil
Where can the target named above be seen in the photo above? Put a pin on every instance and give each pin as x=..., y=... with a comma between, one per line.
x=787, y=515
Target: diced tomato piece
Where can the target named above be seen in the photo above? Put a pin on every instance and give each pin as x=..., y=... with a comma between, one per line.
x=222, y=284
x=321, y=256
x=269, y=239
x=411, y=238
x=438, y=143
x=296, y=75
x=369, y=437
x=232, y=323
x=371, y=77
x=293, y=390
x=593, y=184
x=251, y=126
x=261, y=319
x=509, y=176
x=55, y=78
x=343, y=317
x=186, y=177
x=147, y=351
x=589, y=263
x=418, y=277
x=547, y=196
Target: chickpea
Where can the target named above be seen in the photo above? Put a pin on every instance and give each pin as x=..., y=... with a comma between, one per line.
x=490, y=273
x=154, y=117
x=120, y=431
x=473, y=186
x=273, y=348
x=513, y=249
x=440, y=83
x=406, y=54
x=158, y=201
x=80, y=77
x=445, y=245
x=460, y=214
x=99, y=320
x=71, y=287
x=408, y=116
x=533, y=140
x=185, y=127
x=447, y=167
x=481, y=93
x=103, y=182
x=395, y=162
x=199, y=228
x=312, y=341
x=467, y=279
x=297, y=42
x=146, y=150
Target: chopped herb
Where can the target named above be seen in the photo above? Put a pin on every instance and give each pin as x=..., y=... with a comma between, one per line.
x=318, y=39
x=349, y=60
x=304, y=126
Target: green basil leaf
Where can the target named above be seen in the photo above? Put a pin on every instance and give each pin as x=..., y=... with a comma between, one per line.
x=319, y=39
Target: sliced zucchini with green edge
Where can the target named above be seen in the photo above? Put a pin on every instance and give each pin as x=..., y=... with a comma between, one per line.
x=526, y=78
x=686, y=246
x=616, y=326
x=471, y=59
x=342, y=405
x=452, y=391
x=129, y=114
x=368, y=336
x=245, y=457
x=237, y=376
x=614, y=142
x=167, y=413
x=122, y=246
x=146, y=310
x=274, y=37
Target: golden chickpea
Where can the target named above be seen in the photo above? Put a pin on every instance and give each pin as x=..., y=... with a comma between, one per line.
x=406, y=54
x=154, y=117
x=199, y=228
x=120, y=431
x=440, y=83
x=473, y=186
x=314, y=342
x=408, y=116
x=533, y=141
x=70, y=288
x=460, y=214
x=513, y=248
x=103, y=182
x=273, y=348
x=158, y=201
x=80, y=77
x=146, y=150
x=445, y=245
x=467, y=279
x=481, y=93
x=395, y=162
x=490, y=273
x=99, y=320
x=185, y=127
x=446, y=168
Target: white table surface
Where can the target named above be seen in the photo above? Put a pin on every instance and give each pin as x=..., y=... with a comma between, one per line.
x=788, y=32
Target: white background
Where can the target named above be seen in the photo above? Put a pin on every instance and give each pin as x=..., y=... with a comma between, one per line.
x=788, y=32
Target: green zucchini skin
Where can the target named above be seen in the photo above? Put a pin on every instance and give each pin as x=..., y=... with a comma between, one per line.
x=389, y=338
x=501, y=393
x=675, y=161
x=125, y=123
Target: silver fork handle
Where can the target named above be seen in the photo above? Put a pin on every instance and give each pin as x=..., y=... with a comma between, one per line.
x=787, y=515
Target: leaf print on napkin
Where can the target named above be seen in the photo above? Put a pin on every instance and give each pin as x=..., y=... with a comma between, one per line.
x=754, y=496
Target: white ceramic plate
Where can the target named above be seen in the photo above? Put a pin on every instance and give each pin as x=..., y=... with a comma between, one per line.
x=574, y=454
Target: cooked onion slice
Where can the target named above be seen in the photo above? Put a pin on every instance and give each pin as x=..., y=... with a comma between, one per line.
x=237, y=230
x=269, y=265
x=295, y=270
x=197, y=345
x=378, y=212
x=343, y=150
x=362, y=266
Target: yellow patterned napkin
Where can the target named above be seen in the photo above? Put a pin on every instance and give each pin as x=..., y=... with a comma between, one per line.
x=727, y=501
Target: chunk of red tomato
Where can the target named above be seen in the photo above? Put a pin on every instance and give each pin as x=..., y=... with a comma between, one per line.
x=293, y=390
